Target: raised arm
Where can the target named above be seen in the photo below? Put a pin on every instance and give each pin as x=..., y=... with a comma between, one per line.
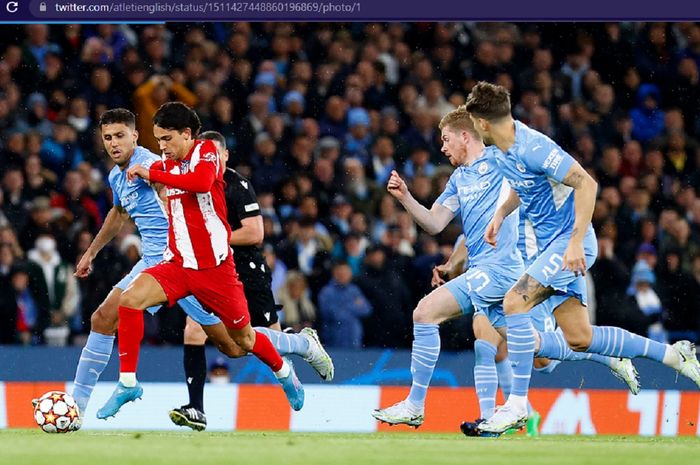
x=432, y=221
x=111, y=226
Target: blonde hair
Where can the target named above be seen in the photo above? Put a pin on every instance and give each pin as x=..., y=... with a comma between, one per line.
x=458, y=120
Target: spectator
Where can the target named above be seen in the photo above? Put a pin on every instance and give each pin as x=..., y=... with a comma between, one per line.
x=389, y=325
x=298, y=309
x=647, y=117
x=342, y=306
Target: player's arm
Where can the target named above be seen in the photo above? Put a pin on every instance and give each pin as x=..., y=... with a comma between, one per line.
x=453, y=266
x=112, y=225
x=251, y=232
x=585, y=191
x=244, y=209
x=432, y=221
x=198, y=180
x=511, y=203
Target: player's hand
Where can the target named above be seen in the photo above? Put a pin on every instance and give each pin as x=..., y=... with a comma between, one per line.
x=492, y=230
x=396, y=186
x=84, y=266
x=439, y=274
x=137, y=171
x=574, y=258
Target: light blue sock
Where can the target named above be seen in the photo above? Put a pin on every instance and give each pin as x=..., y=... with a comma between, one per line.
x=93, y=361
x=553, y=345
x=485, y=376
x=521, y=349
x=286, y=343
x=505, y=379
x=617, y=342
x=424, y=356
x=505, y=376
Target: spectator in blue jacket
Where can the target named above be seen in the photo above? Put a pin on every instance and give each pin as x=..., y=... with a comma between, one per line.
x=647, y=117
x=342, y=306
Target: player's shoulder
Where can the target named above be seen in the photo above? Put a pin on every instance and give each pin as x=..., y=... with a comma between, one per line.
x=113, y=175
x=233, y=177
x=142, y=154
x=206, y=150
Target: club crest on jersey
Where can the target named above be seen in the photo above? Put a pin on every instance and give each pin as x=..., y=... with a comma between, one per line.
x=520, y=167
x=482, y=168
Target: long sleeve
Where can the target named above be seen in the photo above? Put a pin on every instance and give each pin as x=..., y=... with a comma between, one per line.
x=360, y=305
x=199, y=180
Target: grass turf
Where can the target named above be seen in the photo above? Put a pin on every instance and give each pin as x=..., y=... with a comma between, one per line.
x=33, y=447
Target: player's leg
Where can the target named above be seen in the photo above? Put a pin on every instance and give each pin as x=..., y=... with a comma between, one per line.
x=572, y=318
x=438, y=306
x=98, y=349
x=144, y=292
x=485, y=371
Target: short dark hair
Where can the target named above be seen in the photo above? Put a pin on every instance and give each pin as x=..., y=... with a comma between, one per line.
x=118, y=116
x=177, y=116
x=488, y=101
x=216, y=136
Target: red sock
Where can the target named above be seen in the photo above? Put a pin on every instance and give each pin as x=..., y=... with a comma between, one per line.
x=266, y=352
x=130, y=335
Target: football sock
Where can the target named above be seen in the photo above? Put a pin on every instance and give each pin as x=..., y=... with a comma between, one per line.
x=617, y=342
x=424, y=356
x=485, y=376
x=266, y=352
x=505, y=376
x=553, y=345
x=521, y=349
x=129, y=343
x=93, y=361
x=286, y=343
x=195, y=361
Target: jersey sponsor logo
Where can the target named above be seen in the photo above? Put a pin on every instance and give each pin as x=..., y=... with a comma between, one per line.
x=520, y=167
x=525, y=183
x=482, y=186
x=244, y=184
x=483, y=167
x=252, y=207
x=171, y=191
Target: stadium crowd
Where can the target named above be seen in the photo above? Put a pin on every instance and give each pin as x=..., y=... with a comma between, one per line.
x=317, y=116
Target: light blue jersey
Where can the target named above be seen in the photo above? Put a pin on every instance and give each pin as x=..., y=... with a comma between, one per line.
x=475, y=192
x=141, y=202
x=535, y=167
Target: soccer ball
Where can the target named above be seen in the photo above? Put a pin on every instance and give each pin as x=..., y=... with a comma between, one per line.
x=57, y=412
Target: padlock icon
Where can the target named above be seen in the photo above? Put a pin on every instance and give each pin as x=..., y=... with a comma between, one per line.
x=42, y=6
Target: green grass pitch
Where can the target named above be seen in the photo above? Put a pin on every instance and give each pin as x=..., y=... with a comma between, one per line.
x=33, y=447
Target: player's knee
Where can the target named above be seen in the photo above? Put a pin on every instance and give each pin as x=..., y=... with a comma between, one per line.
x=194, y=334
x=245, y=342
x=104, y=320
x=513, y=303
x=579, y=341
x=423, y=313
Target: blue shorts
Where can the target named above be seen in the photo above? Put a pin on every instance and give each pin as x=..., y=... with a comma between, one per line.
x=189, y=304
x=483, y=286
x=546, y=269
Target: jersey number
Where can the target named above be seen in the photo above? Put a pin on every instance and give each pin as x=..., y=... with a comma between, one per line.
x=476, y=274
x=554, y=266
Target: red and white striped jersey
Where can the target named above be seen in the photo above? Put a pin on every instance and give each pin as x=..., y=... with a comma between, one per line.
x=198, y=236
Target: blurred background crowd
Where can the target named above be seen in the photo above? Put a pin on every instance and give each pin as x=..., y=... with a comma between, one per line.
x=317, y=115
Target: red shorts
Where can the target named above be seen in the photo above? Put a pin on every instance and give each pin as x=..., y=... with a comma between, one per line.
x=217, y=289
